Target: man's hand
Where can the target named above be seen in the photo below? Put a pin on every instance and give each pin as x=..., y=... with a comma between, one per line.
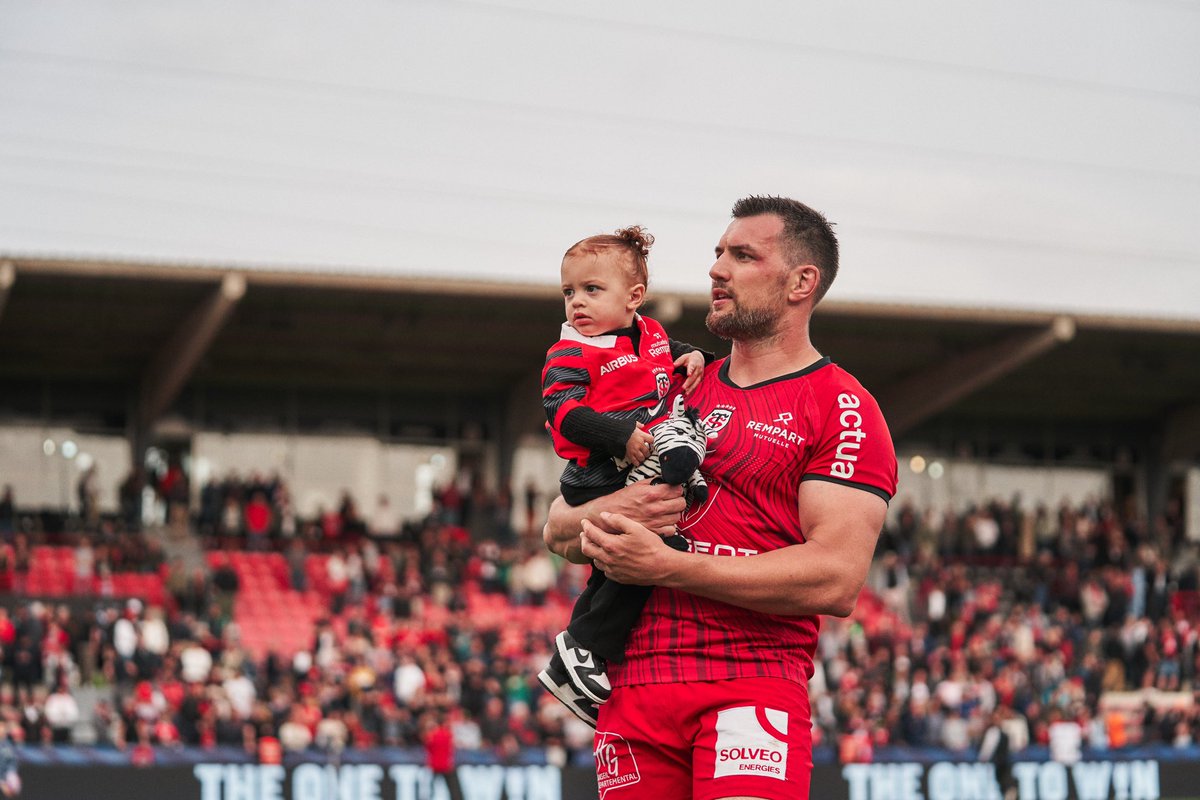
x=656, y=506
x=627, y=551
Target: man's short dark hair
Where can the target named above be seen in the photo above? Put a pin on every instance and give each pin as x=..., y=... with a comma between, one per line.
x=807, y=236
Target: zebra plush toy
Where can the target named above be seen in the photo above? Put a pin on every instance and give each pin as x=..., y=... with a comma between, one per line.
x=679, y=444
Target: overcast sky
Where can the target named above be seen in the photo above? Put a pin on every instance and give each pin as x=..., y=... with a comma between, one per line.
x=1023, y=154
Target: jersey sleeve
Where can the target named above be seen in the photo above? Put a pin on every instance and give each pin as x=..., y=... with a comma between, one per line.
x=595, y=431
x=854, y=447
x=565, y=382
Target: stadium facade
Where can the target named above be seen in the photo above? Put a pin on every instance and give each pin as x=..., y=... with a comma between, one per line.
x=139, y=357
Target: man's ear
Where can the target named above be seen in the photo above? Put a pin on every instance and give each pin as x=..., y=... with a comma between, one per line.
x=803, y=282
x=637, y=296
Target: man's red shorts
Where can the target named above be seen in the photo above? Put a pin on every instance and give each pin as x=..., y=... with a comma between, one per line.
x=674, y=741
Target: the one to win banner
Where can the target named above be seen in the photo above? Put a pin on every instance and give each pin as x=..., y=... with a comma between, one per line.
x=1145, y=779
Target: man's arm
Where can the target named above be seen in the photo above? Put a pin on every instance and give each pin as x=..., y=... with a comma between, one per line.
x=821, y=576
x=655, y=507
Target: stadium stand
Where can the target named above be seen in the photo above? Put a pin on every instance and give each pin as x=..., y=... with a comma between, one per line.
x=1038, y=617
x=246, y=624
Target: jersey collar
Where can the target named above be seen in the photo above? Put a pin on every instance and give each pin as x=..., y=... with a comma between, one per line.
x=723, y=374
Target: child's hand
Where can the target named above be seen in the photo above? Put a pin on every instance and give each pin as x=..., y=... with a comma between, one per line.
x=637, y=449
x=693, y=362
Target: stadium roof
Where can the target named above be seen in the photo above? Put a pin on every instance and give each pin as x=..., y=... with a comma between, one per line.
x=110, y=344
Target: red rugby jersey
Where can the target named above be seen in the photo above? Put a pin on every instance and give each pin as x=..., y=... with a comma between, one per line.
x=815, y=424
x=608, y=375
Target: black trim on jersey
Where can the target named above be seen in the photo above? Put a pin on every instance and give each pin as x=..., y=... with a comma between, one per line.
x=569, y=375
x=563, y=351
x=723, y=374
x=596, y=431
x=866, y=487
x=633, y=333
x=555, y=401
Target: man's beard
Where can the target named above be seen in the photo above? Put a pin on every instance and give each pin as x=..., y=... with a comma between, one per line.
x=744, y=324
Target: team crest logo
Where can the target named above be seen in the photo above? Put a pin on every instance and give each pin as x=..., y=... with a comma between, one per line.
x=663, y=381
x=717, y=419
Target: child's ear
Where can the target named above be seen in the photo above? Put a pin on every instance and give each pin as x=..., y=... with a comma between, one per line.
x=637, y=295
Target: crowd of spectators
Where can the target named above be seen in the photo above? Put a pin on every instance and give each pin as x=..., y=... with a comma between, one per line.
x=257, y=511
x=376, y=679
x=1035, y=619
x=399, y=656
x=1049, y=621
x=99, y=552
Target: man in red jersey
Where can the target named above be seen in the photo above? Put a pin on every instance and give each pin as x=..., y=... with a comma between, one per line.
x=712, y=700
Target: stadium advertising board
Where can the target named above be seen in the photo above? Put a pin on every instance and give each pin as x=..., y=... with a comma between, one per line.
x=308, y=782
x=1144, y=779
x=1086, y=780
x=374, y=782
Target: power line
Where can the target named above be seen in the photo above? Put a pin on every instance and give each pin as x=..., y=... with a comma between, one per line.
x=639, y=121
x=841, y=52
x=1188, y=261
x=308, y=222
x=1181, y=5
x=451, y=189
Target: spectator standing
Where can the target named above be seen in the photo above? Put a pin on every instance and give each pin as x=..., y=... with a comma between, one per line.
x=231, y=520
x=226, y=583
x=258, y=520
x=385, y=521
x=439, y=751
x=195, y=663
x=294, y=734
x=297, y=558
x=10, y=777
x=62, y=713
x=129, y=495
x=155, y=637
x=8, y=631
x=125, y=638
x=87, y=490
x=996, y=749
x=7, y=563
x=408, y=681
x=8, y=514
x=173, y=486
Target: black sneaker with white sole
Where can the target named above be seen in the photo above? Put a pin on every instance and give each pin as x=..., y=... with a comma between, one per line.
x=586, y=669
x=558, y=683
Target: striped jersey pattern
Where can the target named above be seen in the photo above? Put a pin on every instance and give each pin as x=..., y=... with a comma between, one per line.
x=611, y=375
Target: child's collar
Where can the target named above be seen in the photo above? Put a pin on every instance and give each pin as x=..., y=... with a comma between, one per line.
x=606, y=340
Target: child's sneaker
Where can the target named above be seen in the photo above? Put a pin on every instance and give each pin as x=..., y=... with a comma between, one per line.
x=558, y=683
x=587, y=671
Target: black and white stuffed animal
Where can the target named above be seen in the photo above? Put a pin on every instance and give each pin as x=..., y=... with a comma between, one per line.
x=679, y=444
